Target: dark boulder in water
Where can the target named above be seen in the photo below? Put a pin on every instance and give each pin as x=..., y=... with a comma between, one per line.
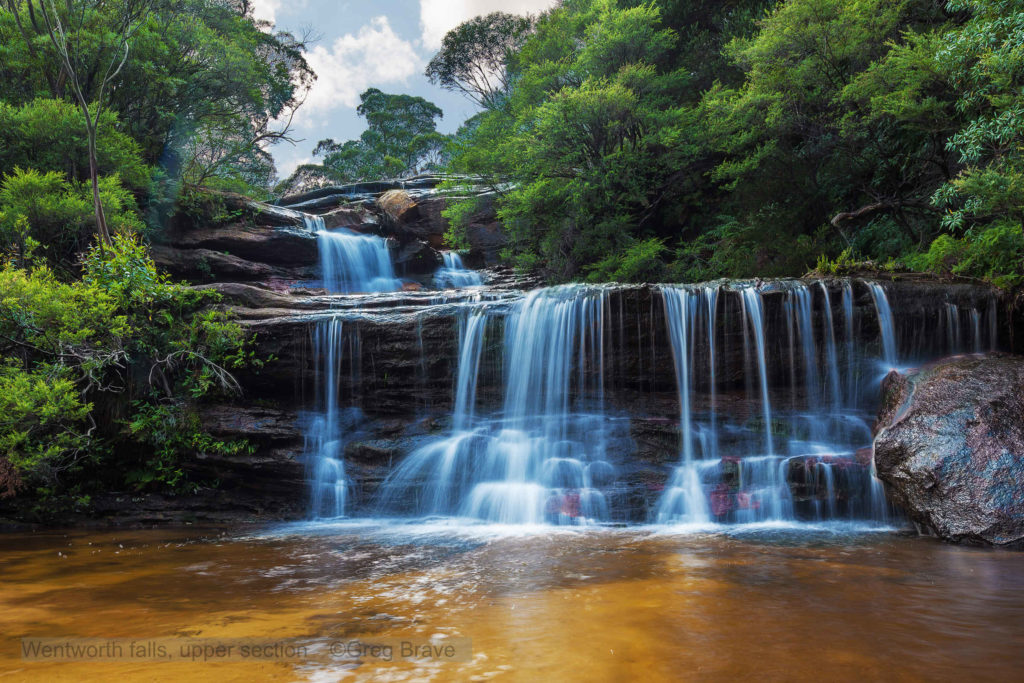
x=950, y=446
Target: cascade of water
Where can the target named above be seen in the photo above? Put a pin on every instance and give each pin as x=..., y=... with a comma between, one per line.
x=801, y=295
x=757, y=477
x=325, y=432
x=547, y=455
x=834, y=385
x=885, y=323
x=351, y=262
x=953, y=327
x=976, y=330
x=754, y=311
x=710, y=295
x=471, y=343
x=684, y=500
x=680, y=310
x=543, y=458
x=454, y=275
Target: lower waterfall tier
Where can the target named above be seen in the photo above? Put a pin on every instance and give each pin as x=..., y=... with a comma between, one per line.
x=731, y=402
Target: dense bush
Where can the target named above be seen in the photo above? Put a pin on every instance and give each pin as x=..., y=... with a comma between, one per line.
x=101, y=374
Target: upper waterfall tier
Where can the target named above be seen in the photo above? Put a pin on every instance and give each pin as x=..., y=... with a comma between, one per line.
x=351, y=262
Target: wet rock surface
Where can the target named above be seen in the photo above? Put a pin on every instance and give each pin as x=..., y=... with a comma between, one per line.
x=951, y=447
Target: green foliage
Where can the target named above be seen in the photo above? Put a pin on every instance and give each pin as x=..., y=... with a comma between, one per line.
x=751, y=142
x=103, y=361
x=640, y=262
x=44, y=424
x=994, y=253
x=458, y=213
x=121, y=340
x=48, y=135
x=166, y=431
x=199, y=94
x=401, y=138
x=593, y=146
x=475, y=57
x=840, y=265
x=984, y=58
x=57, y=213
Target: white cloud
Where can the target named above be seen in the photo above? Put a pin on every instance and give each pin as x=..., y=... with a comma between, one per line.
x=266, y=9
x=374, y=56
x=286, y=164
x=437, y=17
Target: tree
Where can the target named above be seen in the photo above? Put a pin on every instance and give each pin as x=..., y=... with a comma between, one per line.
x=207, y=89
x=114, y=47
x=474, y=57
x=401, y=138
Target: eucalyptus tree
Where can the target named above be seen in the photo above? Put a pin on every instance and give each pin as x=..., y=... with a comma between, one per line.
x=65, y=26
x=475, y=57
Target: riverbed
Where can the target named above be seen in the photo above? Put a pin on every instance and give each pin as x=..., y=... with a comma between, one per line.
x=773, y=602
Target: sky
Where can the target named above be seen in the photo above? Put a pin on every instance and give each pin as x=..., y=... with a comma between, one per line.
x=383, y=44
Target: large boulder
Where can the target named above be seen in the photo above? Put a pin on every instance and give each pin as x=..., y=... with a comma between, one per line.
x=414, y=216
x=951, y=447
x=399, y=206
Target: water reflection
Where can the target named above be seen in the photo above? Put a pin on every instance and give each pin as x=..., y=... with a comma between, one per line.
x=577, y=604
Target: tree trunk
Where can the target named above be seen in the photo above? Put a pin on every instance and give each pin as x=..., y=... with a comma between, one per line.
x=97, y=205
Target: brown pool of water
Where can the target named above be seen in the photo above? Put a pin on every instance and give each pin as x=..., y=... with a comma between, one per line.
x=600, y=605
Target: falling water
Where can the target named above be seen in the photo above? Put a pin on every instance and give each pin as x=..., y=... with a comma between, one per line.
x=543, y=457
x=324, y=433
x=680, y=310
x=835, y=386
x=976, y=329
x=885, y=324
x=791, y=445
x=851, y=384
x=351, y=262
x=802, y=309
x=684, y=500
x=802, y=462
x=454, y=275
x=754, y=311
x=471, y=341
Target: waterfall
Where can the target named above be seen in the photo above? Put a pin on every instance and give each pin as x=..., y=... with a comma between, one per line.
x=796, y=462
x=325, y=431
x=834, y=384
x=471, y=341
x=683, y=500
x=851, y=369
x=885, y=324
x=754, y=311
x=542, y=458
x=454, y=275
x=801, y=296
x=771, y=409
x=351, y=262
x=680, y=310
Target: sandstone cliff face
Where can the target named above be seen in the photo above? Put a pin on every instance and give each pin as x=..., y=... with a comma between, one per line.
x=951, y=448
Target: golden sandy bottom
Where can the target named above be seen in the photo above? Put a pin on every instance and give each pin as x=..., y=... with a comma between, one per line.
x=604, y=605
